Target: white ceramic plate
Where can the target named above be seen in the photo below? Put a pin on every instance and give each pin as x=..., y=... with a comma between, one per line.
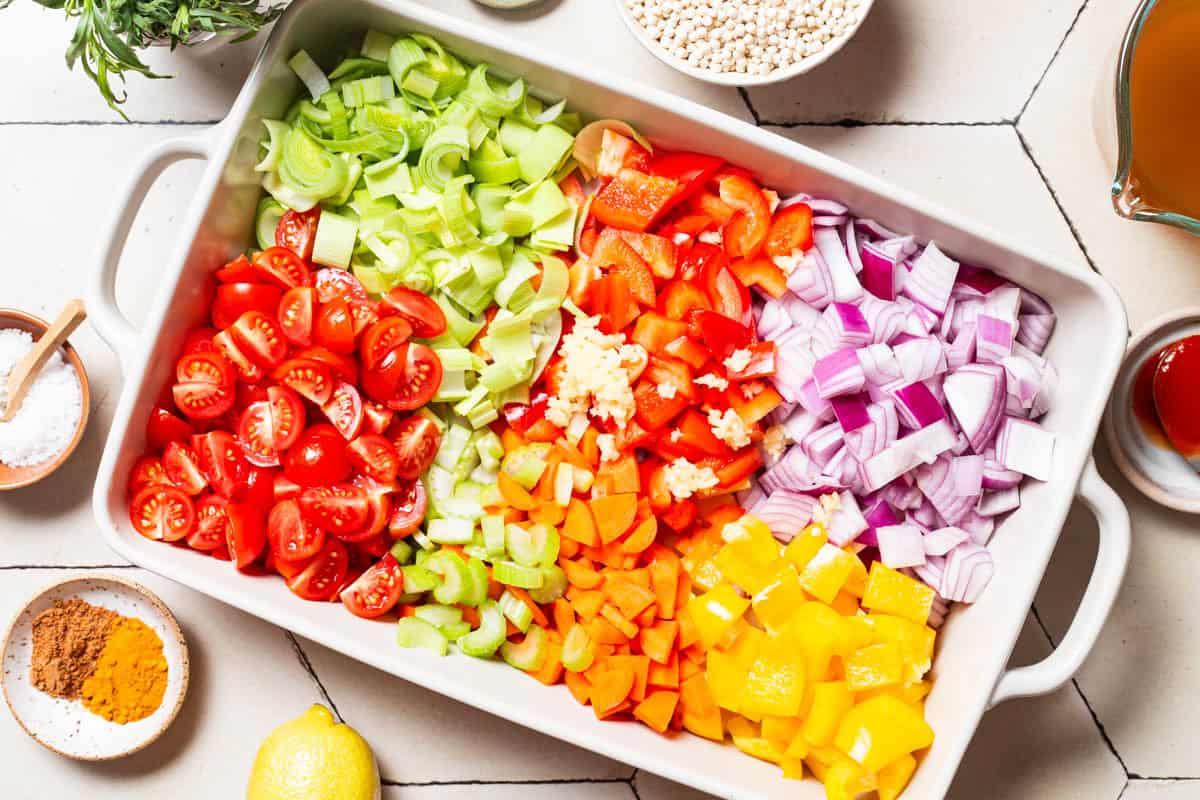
x=1158, y=471
x=66, y=726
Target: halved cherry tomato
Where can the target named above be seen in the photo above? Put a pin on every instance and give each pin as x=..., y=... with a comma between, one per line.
x=211, y=524
x=221, y=461
x=721, y=334
x=379, y=508
x=680, y=297
x=653, y=410
x=247, y=370
x=162, y=513
x=240, y=270
x=246, y=536
x=255, y=437
x=416, y=440
x=340, y=508
x=745, y=233
x=408, y=508
x=791, y=230
x=375, y=457
x=182, y=468
x=334, y=327
x=258, y=488
x=422, y=377
x=376, y=417
x=292, y=537
x=345, y=410
x=235, y=299
x=146, y=470
x=200, y=340
x=164, y=427
x=380, y=382
x=343, y=366
x=204, y=368
x=286, y=569
x=297, y=230
x=308, y=377
x=422, y=312
x=376, y=591
x=295, y=312
x=287, y=416
x=284, y=488
x=282, y=267
x=332, y=284
x=761, y=364
x=324, y=573
x=260, y=337
x=317, y=458
x=633, y=200
x=386, y=335
x=362, y=316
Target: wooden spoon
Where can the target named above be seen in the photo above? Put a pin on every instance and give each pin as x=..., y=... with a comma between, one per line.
x=26, y=371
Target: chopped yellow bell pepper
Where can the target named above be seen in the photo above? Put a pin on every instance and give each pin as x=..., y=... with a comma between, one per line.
x=845, y=603
x=738, y=725
x=738, y=565
x=780, y=729
x=805, y=545
x=878, y=731
x=701, y=565
x=856, y=584
x=775, y=683
x=819, y=632
x=845, y=780
x=793, y=768
x=759, y=747
x=764, y=547
x=875, y=665
x=744, y=649
x=820, y=759
x=895, y=776
x=716, y=611
x=826, y=572
x=779, y=598
x=891, y=592
x=915, y=642
x=831, y=701
x=726, y=679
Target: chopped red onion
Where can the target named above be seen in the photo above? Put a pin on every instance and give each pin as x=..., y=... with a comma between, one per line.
x=900, y=248
x=886, y=319
x=879, y=272
x=846, y=287
x=848, y=325
x=962, y=350
x=845, y=524
x=998, y=502
x=1035, y=331
x=838, y=373
x=823, y=443
x=996, y=476
x=811, y=280
x=811, y=400
x=773, y=321
x=828, y=222
x=969, y=567
x=875, y=230
x=943, y=540
x=979, y=526
x=1026, y=447
x=920, y=358
x=851, y=239
x=993, y=339
x=879, y=364
x=851, y=412
x=937, y=482
x=916, y=405
x=787, y=512
x=882, y=430
x=975, y=394
x=900, y=546
x=981, y=280
x=919, y=447
x=931, y=279
x=931, y=571
x=800, y=423
x=1003, y=303
x=803, y=315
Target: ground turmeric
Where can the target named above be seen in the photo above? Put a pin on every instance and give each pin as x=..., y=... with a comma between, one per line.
x=131, y=675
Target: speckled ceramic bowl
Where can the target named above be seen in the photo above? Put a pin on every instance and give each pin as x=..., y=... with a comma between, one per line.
x=66, y=726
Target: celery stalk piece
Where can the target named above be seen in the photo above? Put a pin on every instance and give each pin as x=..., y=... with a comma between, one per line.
x=418, y=579
x=549, y=147
x=530, y=654
x=377, y=45
x=416, y=632
x=578, y=649
x=487, y=638
x=334, y=242
x=454, y=575
x=438, y=615
x=554, y=585
x=526, y=464
x=477, y=591
x=493, y=534
x=266, y=220
x=451, y=530
x=402, y=551
x=511, y=573
x=515, y=610
x=286, y=195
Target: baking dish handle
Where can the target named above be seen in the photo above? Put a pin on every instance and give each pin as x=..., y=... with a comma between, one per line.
x=112, y=325
x=1111, y=558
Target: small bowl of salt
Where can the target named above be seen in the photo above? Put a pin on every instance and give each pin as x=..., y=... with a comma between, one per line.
x=50, y=421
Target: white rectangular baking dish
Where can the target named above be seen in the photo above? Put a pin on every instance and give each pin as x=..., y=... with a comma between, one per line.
x=976, y=642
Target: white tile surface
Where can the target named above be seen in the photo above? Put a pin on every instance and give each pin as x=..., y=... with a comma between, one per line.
x=915, y=60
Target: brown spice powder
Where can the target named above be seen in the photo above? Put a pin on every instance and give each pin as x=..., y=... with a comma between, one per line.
x=68, y=638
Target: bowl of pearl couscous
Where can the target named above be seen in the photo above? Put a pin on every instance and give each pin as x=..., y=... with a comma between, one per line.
x=743, y=42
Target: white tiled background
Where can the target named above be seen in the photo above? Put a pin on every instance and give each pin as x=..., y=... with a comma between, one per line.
x=982, y=105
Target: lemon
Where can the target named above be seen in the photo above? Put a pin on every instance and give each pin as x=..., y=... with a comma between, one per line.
x=314, y=758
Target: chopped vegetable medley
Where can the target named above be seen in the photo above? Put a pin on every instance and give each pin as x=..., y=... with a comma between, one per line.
x=617, y=416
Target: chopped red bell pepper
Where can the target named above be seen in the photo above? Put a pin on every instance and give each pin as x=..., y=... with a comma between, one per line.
x=658, y=252
x=687, y=350
x=680, y=515
x=761, y=272
x=611, y=298
x=615, y=254
x=697, y=434
x=745, y=232
x=680, y=297
x=791, y=230
x=664, y=369
x=631, y=436
x=691, y=170
x=618, y=152
x=722, y=335
x=654, y=332
x=757, y=407
x=740, y=467
x=761, y=365
x=729, y=296
x=633, y=200
x=695, y=258
x=653, y=410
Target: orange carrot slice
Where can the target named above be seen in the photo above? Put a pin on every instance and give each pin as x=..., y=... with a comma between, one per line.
x=580, y=525
x=642, y=536
x=613, y=514
x=657, y=709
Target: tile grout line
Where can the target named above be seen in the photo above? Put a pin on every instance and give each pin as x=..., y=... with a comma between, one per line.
x=312, y=673
x=1053, y=57
x=633, y=784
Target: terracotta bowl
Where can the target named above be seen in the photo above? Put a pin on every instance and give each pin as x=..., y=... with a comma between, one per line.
x=16, y=477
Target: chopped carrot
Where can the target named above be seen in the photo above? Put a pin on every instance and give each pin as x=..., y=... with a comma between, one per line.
x=604, y=632
x=688, y=633
x=567, y=548
x=701, y=715
x=683, y=592
x=589, y=447
x=664, y=579
x=579, y=687
x=563, y=615
x=511, y=440
x=511, y=514
x=723, y=515
x=612, y=555
x=572, y=455
x=621, y=709
x=579, y=524
x=551, y=671
x=586, y=603
x=658, y=641
x=657, y=709
x=514, y=493
x=580, y=575
x=610, y=689
x=677, y=719
x=545, y=487
x=592, y=552
x=539, y=616
x=602, y=486
x=642, y=536
x=618, y=620
x=665, y=675
x=706, y=506
x=647, y=617
x=640, y=665
x=548, y=513
x=624, y=474
x=639, y=576
x=629, y=598
x=470, y=616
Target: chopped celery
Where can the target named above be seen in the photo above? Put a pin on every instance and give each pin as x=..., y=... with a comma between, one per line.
x=486, y=639
x=554, y=585
x=515, y=610
x=493, y=534
x=515, y=136
x=564, y=483
x=424, y=541
x=266, y=220
x=396, y=180
x=418, y=579
x=454, y=441
x=455, y=359
x=454, y=575
x=489, y=448
x=438, y=615
x=532, y=545
x=416, y=632
x=376, y=45
x=491, y=496
x=578, y=649
x=511, y=573
x=530, y=654
x=312, y=75
x=526, y=464
x=452, y=388
x=451, y=530
x=477, y=588
x=402, y=551
x=456, y=630
x=334, y=243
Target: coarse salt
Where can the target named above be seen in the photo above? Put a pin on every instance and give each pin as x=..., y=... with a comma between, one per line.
x=46, y=421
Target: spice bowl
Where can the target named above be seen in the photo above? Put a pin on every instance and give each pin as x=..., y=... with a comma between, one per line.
x=17, y=477
x=745, y=79
x=67, y=727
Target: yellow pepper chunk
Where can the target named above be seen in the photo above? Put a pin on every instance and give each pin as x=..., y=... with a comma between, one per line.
x=845, y=603
x=726, y=680
x=820, y=759
x=701, y=565
x=716, y=611
x=777, y=600
x=793, y=768
x=739, y=566
x=775, y=683
x=895, y=776
x=915, y=642
x=845, y=780
x=874, y=666
x=759, y=747
x=738, y=725
x=780, y=729
x=891, y=592
x=878, y=731
x=856, y=584
x=763, y=546
x=826, y=572
x=819, y=632
x=831, y=701
x=805, y=545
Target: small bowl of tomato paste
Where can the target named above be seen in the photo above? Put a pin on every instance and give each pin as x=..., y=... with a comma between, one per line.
x=1153, y=420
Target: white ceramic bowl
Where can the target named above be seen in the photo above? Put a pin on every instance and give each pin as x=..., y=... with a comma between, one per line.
x=976, y=641
x=66, y=726
x=741, y=78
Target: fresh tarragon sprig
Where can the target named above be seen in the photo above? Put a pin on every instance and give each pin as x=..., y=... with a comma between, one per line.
x=109, y=33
